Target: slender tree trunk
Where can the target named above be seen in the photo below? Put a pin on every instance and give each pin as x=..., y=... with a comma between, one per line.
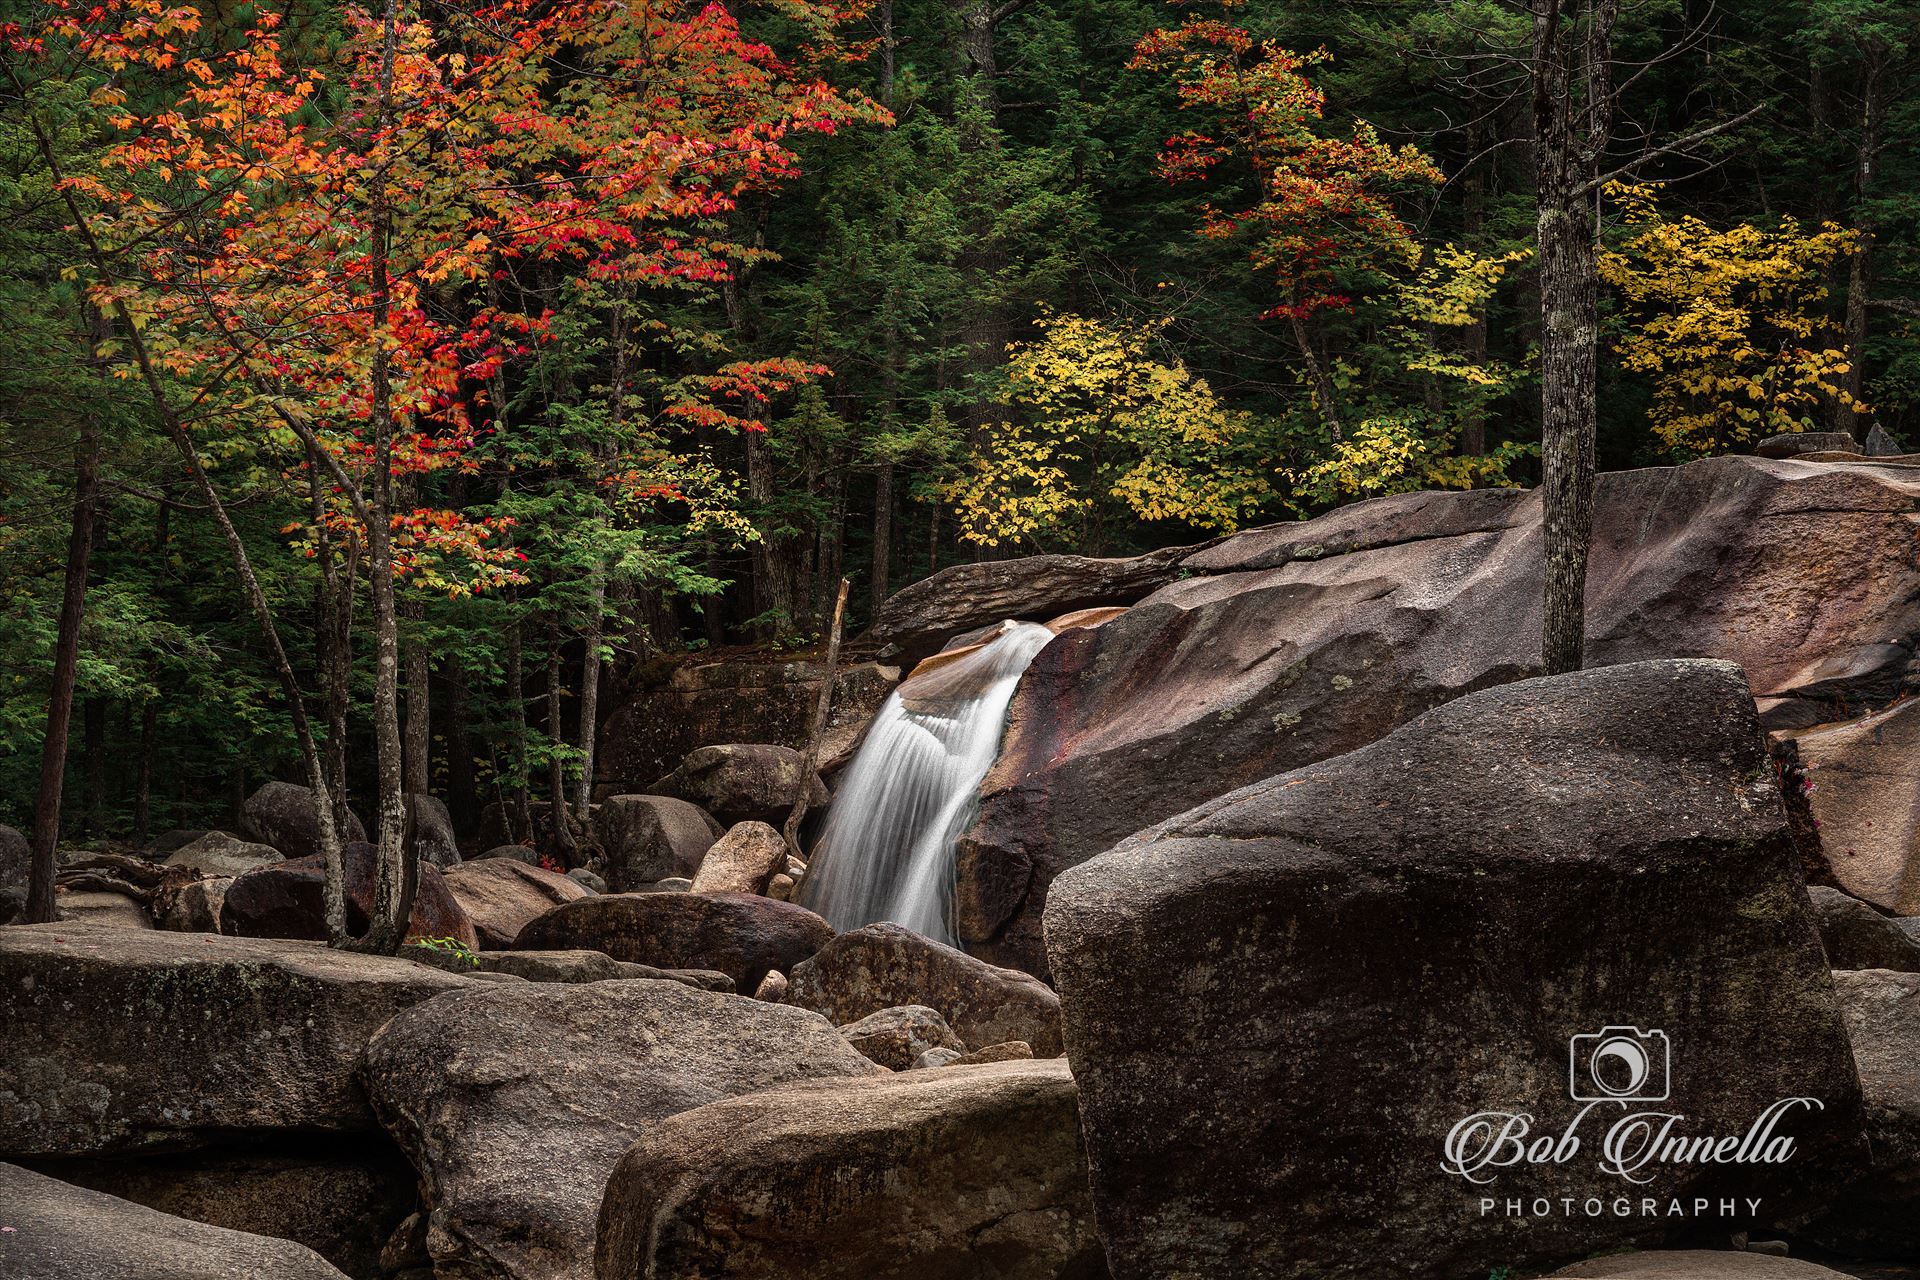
x=1568, y=300
x=556, y=749
x=143, y=779
x=1473, y=425
x=882, y=534
x=520, y=816
x=419, y=726
x=590, y=695
x=329, y=832
x=463, y=797
x=1853, y=383
x=1317, y=374
x=94, y=731
x=66, y=667
x=817, y=729
x=1571, y=130
x=396, y=872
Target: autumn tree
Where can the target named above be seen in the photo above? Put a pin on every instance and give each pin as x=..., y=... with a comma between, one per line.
x=1316, y=213
x=292, y=267
x=1102, y=423
x=1727, y=324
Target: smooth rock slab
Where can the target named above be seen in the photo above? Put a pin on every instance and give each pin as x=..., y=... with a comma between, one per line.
x=517, y=1101
x=1866, y=798
x=972, y=1173
x=1280, y=1004
x=739, y=934
x=118, y=1040
x=882, y=966
x=593, y=966
x=501, y=896
x=1285, y=645
x=62, y=1232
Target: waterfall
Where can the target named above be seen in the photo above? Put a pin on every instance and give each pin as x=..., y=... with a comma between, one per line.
x=887, y=851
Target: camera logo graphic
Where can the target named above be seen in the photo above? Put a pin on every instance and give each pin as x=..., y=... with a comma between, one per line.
x=1620, y=1064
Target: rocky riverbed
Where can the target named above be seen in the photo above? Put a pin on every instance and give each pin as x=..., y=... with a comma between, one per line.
x=1305, y=934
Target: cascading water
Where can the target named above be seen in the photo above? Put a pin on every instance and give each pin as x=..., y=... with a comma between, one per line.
x=887, y=852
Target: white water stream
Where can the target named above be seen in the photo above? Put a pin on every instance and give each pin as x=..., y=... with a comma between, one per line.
x=887, y=851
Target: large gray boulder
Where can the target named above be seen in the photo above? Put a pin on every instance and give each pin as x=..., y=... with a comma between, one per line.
x=957, y=1174
x=649, y=838
x=16, y=858
x=743, y=782
x=281, y=814
x=1858, y=937
x=1879, y=1216
x=1298, y=994
x=342, y=1202
x=516, y=1102
x=57, y=1231
x=120, y=1040
x=218, y=854
x=741, y=935
x=501, y=896
x=885, y=965
x=1281, y=646
x=742, y=861
x=432, y=827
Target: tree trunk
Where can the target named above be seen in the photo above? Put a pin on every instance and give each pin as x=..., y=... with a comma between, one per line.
x=1568, y=300
x=1570, y=135
x=94, y=729
x=395, y=875
x=817, y=729
x=143, y=778
x=556, y=749
x=1317, y=374
x=66, y=667
x=329, y=832
x=419, y=727
x=882, y=534
x=520, y=815
x=1853, y=383
x=463, y=798
x=590, y=695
